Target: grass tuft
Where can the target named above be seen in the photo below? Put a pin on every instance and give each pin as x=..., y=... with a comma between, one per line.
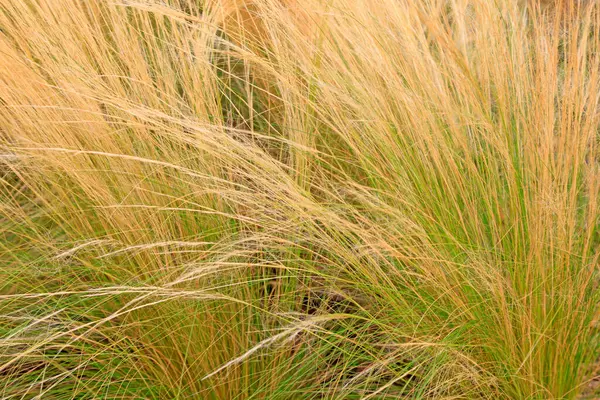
x=275, y=199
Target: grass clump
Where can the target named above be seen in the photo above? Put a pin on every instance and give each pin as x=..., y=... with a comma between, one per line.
x=326, y=199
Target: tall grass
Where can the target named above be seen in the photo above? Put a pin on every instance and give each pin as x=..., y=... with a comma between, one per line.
x=316, y=199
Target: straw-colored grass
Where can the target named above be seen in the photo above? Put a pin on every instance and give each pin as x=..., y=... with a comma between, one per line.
x=309, y=199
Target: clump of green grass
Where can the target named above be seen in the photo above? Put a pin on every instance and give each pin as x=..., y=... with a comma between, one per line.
x=341, y=199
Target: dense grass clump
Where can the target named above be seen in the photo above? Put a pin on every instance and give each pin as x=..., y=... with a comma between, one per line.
x=285, y=199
